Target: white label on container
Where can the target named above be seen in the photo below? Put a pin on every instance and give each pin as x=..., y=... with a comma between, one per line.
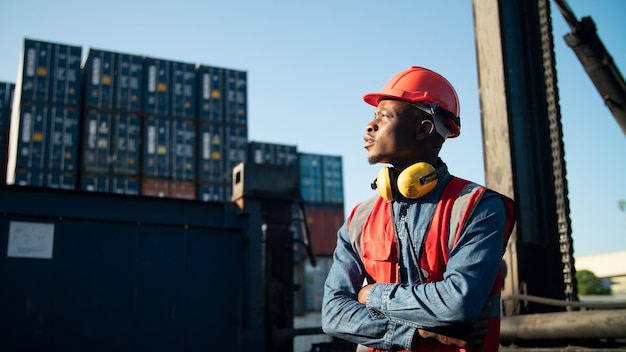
x=151, y=140
x=27, y=125
x=31, y=62
x=30, y=240
x=206, y=86
x=152, y=79
x=91, y=135
x=206, y=146
x=95, y=73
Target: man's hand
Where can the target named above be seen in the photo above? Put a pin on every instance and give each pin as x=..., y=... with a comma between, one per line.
x=461, y=336
x=363, y=292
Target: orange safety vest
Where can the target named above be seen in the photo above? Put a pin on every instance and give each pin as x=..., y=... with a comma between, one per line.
x=373, y=236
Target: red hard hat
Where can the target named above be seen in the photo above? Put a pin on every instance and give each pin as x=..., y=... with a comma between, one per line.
x=418, y=84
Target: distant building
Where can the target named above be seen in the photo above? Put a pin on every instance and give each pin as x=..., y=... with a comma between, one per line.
x=609, y=265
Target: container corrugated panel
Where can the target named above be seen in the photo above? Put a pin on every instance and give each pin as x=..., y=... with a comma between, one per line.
x=48, y=138
x=210, y=153
x=113, y=80
x=311, y=177
x=111, y=142
x=183, y=90
x=236, y=138
x=332, y=179
x=215, y=191
x=99, y=75
x=156, y=152
x=50, y=73
x=274, y=154
x=183, y=149
x=45, y=178
x=97, y=138
x=125, y=144
x=167, y=188
x=210, y=94
x=110, y=184
x=323, y=223
x=63, y=140
x=169, y=88
x=236, y=97
x=156, y=95
x=128, y=89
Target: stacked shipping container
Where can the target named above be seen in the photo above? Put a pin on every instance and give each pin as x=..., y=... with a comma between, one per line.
x=321, y=185
x=43, y=141
x=222, y=129
x=169, y=129
x=159, y=128
x=110, y=122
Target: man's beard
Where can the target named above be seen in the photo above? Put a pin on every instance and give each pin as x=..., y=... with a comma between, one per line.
x=375, y=159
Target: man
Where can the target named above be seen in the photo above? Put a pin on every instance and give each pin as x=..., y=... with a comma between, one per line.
x=417, y=266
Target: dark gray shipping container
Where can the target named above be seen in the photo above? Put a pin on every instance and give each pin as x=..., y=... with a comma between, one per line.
x=49, y=73
x=112, y=81
x=85, y=271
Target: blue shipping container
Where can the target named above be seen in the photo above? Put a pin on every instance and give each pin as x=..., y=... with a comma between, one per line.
x=210, y=153
x=97, y=130
x=113, y=81
x=215, y=192
x=50, y=73
x=45, y=178
x=183, y=90
x=332, y=179
x=47, y=138
x=125, y=144
x=110, y=184
x=311, y=179
x=236, y=138
x=210, y=89
x=236, y=97
x=274, y=154
x=156, y=155
x=169, y=148
x=169, y=88
x=183, y=149
x=111, y=142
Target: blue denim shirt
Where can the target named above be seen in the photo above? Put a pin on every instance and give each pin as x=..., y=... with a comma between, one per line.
x=393, y=312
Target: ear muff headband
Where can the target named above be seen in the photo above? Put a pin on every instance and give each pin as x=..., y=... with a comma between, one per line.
x=413, y=182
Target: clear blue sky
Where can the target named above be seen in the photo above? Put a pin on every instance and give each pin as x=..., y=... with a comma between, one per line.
x=310, y=62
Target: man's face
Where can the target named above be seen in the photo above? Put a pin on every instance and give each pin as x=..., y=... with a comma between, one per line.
x=391, y=136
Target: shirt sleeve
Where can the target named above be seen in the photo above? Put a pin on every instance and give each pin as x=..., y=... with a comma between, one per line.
x=344, y=317
x=471, y=271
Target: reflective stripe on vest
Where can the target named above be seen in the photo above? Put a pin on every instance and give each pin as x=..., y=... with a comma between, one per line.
x=372, y=234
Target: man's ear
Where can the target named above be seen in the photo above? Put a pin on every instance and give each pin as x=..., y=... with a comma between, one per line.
x=424, y=129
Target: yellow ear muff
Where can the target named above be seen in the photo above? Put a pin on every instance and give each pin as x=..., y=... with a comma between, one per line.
x=383, y=184
x=412, y=182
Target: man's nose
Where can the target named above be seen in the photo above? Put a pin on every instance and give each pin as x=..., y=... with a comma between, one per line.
x=371, y=127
